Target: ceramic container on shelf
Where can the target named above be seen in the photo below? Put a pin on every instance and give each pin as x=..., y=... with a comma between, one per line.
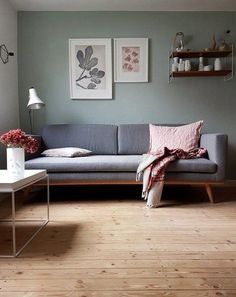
x=174, y=66
x=201, y=65
x=16, y=161
x=187, y=65
x=207, y=68
x=217, y=64
x=181, y=65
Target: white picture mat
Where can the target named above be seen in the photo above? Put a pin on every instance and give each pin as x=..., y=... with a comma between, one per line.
x=142, y=74
x=79, y=93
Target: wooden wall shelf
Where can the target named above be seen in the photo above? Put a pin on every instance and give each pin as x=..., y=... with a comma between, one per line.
x=200, y=73
x=197, y=54
x=227, y=62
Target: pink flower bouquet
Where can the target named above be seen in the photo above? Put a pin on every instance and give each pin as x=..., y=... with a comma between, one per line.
x=18, y=139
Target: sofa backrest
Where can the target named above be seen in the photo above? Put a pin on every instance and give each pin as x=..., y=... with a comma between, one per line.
x=125, y=139
x=100, y=139
x=133, y=139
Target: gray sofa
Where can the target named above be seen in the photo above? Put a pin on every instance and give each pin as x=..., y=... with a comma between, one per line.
x=117, y=151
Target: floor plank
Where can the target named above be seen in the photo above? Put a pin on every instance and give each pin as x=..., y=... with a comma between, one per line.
x=118, y=247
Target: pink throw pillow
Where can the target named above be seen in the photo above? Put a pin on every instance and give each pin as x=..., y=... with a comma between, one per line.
x=183, y=137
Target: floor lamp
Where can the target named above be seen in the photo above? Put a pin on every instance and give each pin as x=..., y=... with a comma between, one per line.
x=34, y=103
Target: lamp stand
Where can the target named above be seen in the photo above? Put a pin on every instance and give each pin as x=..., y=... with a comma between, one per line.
x=30, y=118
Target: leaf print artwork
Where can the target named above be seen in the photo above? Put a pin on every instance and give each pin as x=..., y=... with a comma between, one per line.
x=130, y=59
x=90, y=76
x=90, y=68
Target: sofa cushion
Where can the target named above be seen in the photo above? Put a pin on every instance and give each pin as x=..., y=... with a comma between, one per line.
x=90, y=163
x=98, y=138
x=184, y=137
x=200, y=165
x=120, y=163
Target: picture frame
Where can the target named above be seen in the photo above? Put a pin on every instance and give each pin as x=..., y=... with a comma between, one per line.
x=131, y=59
x=90, y=68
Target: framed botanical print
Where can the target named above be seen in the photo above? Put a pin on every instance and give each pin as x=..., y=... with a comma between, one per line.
x=90, y=68
x=131, y=59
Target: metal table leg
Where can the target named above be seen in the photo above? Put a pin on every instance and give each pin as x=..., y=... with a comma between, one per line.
x=13, y=214
x=13, y=220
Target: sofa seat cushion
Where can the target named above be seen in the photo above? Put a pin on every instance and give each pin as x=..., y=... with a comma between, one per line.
x=200, y=165
x=93, y=163
x=111, y=163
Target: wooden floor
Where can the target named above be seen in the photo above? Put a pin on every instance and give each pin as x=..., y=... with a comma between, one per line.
x=118, y=247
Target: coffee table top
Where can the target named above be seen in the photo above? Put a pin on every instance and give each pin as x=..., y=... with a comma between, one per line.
x=9, y=183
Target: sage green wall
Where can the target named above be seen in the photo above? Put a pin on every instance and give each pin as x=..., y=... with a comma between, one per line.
x=9, y=105
x=43, y=63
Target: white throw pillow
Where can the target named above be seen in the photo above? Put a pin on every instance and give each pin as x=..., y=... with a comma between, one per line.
x=68, y=152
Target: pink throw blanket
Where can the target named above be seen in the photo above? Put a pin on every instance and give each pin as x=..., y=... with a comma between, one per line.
x=153, y=167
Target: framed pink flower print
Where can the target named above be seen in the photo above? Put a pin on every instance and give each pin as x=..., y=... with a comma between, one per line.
x=131, y=59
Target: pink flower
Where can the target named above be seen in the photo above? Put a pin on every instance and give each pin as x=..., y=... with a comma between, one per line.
x=18, y=138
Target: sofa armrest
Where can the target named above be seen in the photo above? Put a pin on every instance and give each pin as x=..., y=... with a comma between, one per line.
x=29, y=156
x=216, y=145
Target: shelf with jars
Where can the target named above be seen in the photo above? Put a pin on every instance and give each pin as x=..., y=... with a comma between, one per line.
x=201, y=63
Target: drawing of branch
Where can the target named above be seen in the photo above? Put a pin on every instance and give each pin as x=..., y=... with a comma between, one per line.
x=87, y=63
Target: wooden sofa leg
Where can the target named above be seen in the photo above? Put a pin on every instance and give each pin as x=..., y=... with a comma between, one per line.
x=209, y=193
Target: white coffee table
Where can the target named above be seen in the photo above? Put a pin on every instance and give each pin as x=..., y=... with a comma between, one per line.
x=9, y=184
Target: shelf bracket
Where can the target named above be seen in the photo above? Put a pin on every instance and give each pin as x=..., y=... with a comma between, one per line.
x=231, y=75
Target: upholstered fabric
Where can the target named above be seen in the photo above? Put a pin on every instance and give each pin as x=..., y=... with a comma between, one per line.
x=184, y=137
x=68, y=152
x=100, y=139
x=193, y=165
x=120, y=163
x=90, y=163
x=130, y=176
x=133, y=139
x=104, y=140
x=216, y=145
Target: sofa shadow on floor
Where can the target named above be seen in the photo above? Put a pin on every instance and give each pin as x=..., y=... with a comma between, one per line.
x=181, y=194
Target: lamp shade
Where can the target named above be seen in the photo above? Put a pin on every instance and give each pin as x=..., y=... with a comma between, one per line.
x=34, y=101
